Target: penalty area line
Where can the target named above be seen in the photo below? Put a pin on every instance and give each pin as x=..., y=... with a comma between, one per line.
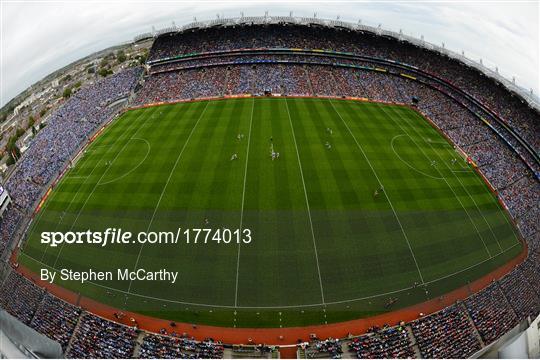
x=384, y=192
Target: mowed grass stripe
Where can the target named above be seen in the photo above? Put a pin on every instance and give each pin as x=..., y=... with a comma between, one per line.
x=281, y=255
x=241, y=228
x=484, y=200
x=113, y=212
x=204, y=181
x=60, y=217
x=300, y=167
x=163, y=191
x=63, y=189
x=432, y=233
x=384, y=190
x=97, y=183
x=338, y=182
x=477, y=227
x=459, y=187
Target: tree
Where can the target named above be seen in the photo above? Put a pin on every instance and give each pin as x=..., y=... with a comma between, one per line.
x=42, y=112
x=67, y=93
x=10, y=160
x=104, y=72
x=120, y=56
x=31, y=121
x=13, y=150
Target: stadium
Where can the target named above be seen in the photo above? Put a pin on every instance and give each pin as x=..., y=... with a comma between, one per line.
x=279, y=186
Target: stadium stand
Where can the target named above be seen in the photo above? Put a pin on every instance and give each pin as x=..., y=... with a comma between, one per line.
x=242, y=351
x=326, y=349
x=380, y=343
x=491, y=313
x=20, y=297
x=447, y=334
x=173, y=347
x=454, y=97
x=97, y=338
x=8, y=225
x=56, y=319
x=520, y=294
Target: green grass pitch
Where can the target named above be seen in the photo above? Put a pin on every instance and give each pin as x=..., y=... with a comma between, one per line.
x=324, y=247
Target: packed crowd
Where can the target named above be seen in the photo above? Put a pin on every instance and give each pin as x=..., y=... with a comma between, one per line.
x=20, y=298
x=530, y=226
x=521, y=196
x=471, y=81
x=491, y=313
x=386, y=342
x=174, y=347
x=531, y=270
x=67, y=129
x=9, y=223
x=329, y=348
x=504, y=171
x=56, y=319
x=522, y=296
x=446, y=334
x=97, y=338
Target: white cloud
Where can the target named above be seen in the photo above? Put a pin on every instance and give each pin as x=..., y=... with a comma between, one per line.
x=40, y=37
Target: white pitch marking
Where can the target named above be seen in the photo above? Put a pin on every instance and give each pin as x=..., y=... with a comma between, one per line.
x=95, y=186
x=307, y=202
x=384, y=192
x=242, y=210
x=276, y=306
x=448, y=184
x=165, y=187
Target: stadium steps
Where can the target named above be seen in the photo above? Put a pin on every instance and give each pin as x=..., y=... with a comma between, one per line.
x=224, y=90
x=512, y=183
x=508, y=303
x=308, y=80
x=72, y=338
x=301, y=353
x=414, y=345
x=471, y=323
x=138, y=343
x=4, y=275
x=247, y=352
x=348, y=352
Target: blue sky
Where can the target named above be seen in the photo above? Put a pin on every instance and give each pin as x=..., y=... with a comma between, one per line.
x=39, y=37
